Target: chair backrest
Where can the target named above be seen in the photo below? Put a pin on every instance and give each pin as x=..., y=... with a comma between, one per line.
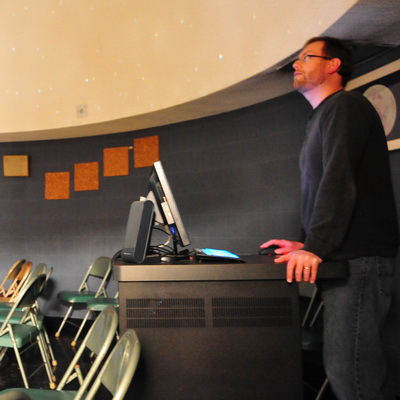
x=34, y=273
x=98, y=340
x=40, y=269
x=10, y=276
x=37, y=270
x=100, y=268
x=119, y=368
x=19, y=281
x=25, y=299
x=49, y=271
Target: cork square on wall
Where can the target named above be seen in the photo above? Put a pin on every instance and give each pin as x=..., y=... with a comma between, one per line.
x=57, y=186
x=16, y=165
x=145, y=151
x=86, y=176
x=116, y=161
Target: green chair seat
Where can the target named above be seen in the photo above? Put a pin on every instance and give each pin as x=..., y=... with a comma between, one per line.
x=75, y=296
x=23, y=334
x=18, y=314
x=5, y=306
x=15, y=318
x=40, y=394
x=99, y=304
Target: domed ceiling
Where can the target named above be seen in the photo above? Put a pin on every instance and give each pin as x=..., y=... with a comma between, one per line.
x=78, y=68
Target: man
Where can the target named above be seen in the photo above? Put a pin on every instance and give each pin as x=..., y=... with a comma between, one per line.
x=348, y=213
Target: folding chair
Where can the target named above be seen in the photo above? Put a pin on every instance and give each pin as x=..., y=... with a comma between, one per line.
x=35, y=272
x=21, y=335
x=118, y=370
x=101, y=269
x=18, y=282
x=116, y=375
x=100, y=303
x=311, y=335
x=10, y=276
x=42, y=268
x=98, y=341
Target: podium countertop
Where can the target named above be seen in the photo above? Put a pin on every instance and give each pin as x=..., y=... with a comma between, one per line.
x=254, y=267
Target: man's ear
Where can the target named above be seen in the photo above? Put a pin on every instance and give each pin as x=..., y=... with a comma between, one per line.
x=334, y=65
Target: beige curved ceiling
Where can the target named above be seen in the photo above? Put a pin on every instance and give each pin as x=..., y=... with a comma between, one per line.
x=78, y=68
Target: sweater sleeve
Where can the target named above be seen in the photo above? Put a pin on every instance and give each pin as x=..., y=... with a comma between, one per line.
x=343, y=132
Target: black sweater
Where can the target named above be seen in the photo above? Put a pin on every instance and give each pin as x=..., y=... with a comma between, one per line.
x=348, y=207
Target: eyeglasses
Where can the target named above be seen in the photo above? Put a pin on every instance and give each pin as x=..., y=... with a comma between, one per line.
x=307, y=57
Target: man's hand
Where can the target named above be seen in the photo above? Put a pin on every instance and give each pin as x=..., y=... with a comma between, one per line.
x=301, y=265
x=285, y=246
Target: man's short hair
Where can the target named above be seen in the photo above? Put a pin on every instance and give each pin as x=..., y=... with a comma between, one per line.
x=336, y=48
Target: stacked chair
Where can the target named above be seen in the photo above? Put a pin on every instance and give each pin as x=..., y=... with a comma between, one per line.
x=115, y=374
x=10, y=277
x=99, y=269
x=20, y=328
x=39, y=269
x=14, y=280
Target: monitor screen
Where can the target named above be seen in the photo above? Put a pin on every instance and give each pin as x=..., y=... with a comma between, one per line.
x=166, y=208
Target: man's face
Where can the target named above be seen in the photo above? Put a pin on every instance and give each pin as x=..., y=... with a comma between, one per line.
x=310, y=72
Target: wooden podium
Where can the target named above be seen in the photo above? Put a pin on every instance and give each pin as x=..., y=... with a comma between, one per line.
x=215, y=331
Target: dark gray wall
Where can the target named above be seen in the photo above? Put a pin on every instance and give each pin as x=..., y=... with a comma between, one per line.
x=234, y=176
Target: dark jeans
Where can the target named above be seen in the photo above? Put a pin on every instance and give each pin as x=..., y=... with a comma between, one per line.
x=354, y=312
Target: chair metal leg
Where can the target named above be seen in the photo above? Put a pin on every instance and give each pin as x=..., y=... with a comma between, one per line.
x=46, y=360
x=19, y=360
x=73, y=343
x=322, y=390
x=70, y=308
x=3, y=351
x=49, y=348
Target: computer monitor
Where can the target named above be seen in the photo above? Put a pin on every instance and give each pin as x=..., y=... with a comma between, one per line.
x=165, y=207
